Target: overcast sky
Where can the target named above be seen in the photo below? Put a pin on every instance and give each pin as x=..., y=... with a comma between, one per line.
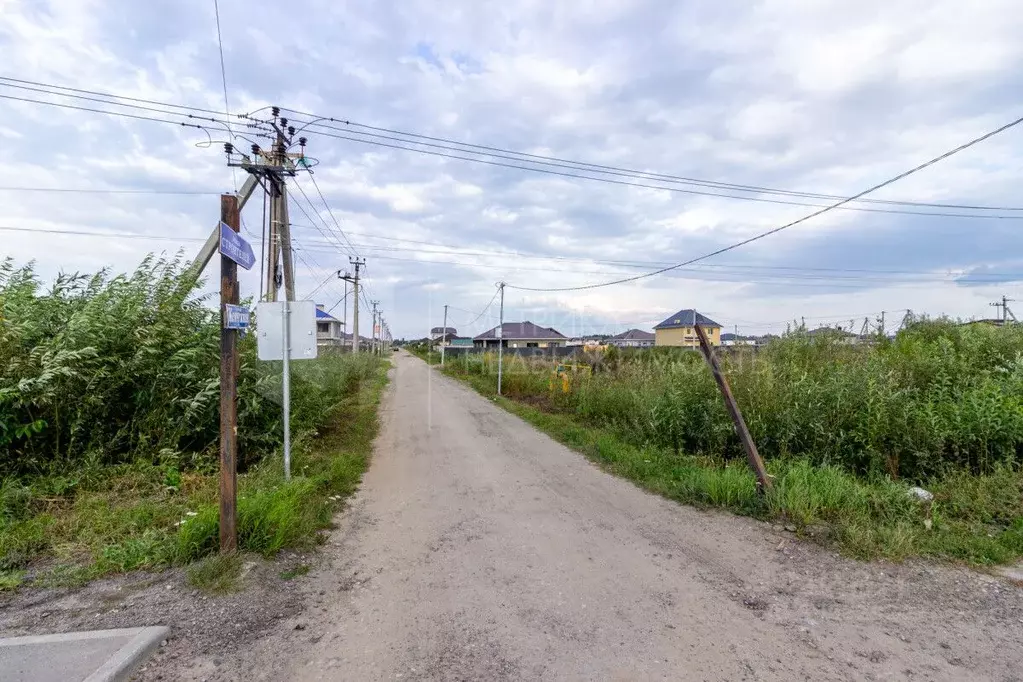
x=826, y=97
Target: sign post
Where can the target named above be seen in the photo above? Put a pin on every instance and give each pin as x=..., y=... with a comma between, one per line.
x=286, y=331
x=286, y=385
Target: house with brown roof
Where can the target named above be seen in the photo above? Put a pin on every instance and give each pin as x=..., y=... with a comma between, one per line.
x=520, y=335
x=634, y=338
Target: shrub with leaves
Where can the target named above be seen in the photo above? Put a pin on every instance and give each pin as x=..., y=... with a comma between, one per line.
x=98, y=370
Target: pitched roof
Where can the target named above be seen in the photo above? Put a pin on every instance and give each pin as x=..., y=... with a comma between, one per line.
x=829, y=331
x=633, y=335
x=522, y=330
x=442, y=330
x=324, y=316
x=686, y=317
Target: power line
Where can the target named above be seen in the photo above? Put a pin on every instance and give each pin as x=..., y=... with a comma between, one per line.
x=86, y=190
x=326, y=234
x=329, y=211
x=458, y=250
x=546, y=170
x=464, y=147
x=209, y=119
x=103, y=111
x=629, y=172
x=322, y=284
x=129, y=235
x=223, y=70
x=705, y=276
x=720, y=268
x=793, y=223
x=87, y=233
x=485, y=309
x=106, y=94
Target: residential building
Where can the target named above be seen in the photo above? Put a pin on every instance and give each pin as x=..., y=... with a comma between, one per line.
x=438, y=332
x=520, y=335
x=836, y=334
x=452, y=339
x=634, y=338
x=585, y=342
x=680, y=330
x=328, y=328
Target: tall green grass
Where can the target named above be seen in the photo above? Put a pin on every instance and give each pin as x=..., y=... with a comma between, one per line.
x=941, y=397
x=844, y=429
x=109, y=396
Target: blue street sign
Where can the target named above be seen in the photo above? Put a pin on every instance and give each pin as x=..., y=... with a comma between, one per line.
x=236, y=248
x=236, y=317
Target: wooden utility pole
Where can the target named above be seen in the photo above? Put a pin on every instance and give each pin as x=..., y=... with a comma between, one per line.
x=230, y=216
x=752, y=455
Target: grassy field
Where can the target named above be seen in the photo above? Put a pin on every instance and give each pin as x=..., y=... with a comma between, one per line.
x=845, y=431
x=108, y=427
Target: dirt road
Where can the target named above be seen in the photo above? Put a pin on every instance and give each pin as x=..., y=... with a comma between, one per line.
x=479, y=549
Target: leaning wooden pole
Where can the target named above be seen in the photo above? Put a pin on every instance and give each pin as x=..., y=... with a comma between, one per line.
x=752, y=455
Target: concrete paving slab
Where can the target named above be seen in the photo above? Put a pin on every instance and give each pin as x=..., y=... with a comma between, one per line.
x=94, y=656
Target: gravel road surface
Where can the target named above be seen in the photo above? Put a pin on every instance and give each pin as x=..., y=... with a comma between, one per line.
x=479, y=549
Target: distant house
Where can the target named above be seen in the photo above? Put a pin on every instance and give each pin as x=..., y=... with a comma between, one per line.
x=680, y=330
x=328, y=328
x=586, y=342
x=730, y=339
x=438, y=332
x=836, y=334
x=452, y=339
x=520, y=335
x=634, y=338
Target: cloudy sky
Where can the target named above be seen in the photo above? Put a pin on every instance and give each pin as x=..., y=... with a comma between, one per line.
x=821, y=98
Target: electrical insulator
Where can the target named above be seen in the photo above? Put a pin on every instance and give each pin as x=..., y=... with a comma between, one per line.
x=284, y=121
x=291, y=131
x=228, y=148
x=302, y=141
x=276, y=111
x=255, y=149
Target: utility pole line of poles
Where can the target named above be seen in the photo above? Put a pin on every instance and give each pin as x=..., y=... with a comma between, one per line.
x=373, y=332
x=443, y=333
x=500, y=341
x=358, y=263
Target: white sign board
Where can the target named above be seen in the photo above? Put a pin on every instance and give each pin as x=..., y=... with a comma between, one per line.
x=236, y=317
x=270, y=330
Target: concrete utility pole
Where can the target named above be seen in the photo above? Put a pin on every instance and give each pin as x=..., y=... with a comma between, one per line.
x=270, y=168
x=349, y=279
x=373, y=332
x=1005, y=312
x=500, y=341
x=358, y=263
x=443, y=333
